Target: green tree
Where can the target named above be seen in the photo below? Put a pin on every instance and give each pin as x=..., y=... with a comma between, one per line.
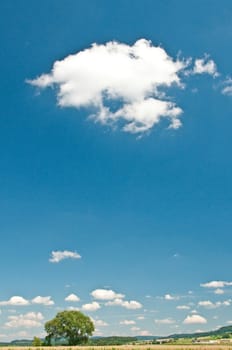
x=74, y=326
x=36, y=342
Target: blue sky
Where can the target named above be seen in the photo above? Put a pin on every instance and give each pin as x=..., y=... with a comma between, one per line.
x=115, y=165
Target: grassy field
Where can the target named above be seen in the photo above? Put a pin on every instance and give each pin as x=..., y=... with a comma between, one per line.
x=126, y=347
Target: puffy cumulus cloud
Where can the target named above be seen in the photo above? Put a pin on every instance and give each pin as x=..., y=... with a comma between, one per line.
x=127, y=322
x=216, y=284
x=106, y=294
x=119, y=83
x=135, y=329
x=58, y=255
x=43, y=300
x=205, y=66
x=132, y=304
x=183, y=307
x=171, y=297
x=72, y=298
x=94, y=306
x=194, y=319
x=165, y=321
x=15, y=301
x=28, y=320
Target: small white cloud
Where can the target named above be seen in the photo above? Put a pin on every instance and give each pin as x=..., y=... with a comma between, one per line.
x=205, y=66
x=72, y=298
x=219, y=291
x=207, y=304
x=195, y=319
x=193, y=311
x=106, y=294
x=135, y=329
x=127, y=322
x=100, y=323
x=171, y=297
x=132, y=304
x=58, y=255
x=43, y=300
x=15, y=301
x=183, y=307
x=94, y=306
x=28, y=320
x=216, y=284
x=165, y=321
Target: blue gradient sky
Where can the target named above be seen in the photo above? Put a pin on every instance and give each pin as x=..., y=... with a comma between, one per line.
x=150, y=216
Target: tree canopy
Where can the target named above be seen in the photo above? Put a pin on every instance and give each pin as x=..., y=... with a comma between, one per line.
x=72, y=325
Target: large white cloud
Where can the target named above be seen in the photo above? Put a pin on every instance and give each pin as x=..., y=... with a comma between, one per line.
x=28, y=320
x=195, y=319
x=119, y=82
x=58, y=255
x=105, y=294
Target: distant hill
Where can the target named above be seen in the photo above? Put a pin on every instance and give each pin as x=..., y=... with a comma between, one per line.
x=220, y=331
x=117, y=340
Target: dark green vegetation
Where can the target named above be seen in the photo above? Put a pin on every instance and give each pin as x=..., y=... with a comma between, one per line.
x=103, y=341
x=73, y=326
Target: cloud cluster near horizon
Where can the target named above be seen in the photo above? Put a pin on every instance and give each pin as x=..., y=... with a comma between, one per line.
x=122, y=84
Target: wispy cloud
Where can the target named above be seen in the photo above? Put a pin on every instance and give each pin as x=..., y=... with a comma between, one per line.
x=165, y=321
x=59, y=255
x=227, y=87
x=132, y=304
